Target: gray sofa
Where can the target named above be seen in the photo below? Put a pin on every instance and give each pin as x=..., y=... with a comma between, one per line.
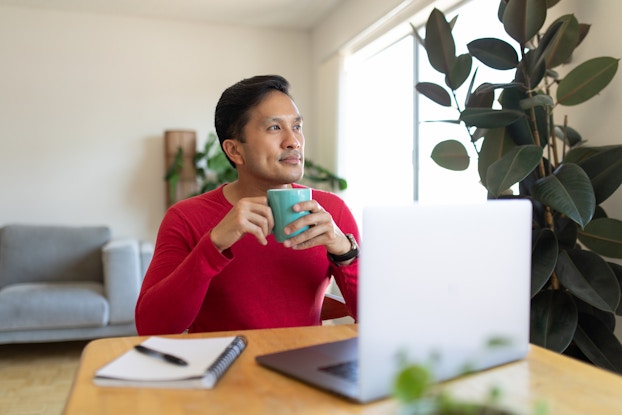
x=68, y=283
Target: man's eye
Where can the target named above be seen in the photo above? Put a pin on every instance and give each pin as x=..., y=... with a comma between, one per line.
x=298, y=127
x=273, y=127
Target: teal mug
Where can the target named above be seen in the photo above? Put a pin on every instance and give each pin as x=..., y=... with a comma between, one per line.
x=282, y=201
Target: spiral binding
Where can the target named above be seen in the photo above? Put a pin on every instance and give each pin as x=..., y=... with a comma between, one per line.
x=227, y=357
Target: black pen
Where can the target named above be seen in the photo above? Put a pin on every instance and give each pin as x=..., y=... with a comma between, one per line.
x=160, y=355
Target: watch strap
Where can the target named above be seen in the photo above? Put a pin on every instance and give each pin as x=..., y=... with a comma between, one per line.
x=351, y=254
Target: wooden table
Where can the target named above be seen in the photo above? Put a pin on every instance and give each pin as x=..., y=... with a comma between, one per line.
x=564, y=385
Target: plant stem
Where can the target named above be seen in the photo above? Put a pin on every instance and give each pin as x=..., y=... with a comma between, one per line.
x=555, y=281
x=554, y=144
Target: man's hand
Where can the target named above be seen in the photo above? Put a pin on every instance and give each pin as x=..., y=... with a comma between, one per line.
x=249, y=215
x=322, y=230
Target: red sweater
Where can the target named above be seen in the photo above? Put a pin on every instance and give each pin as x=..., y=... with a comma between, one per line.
x=191, y=285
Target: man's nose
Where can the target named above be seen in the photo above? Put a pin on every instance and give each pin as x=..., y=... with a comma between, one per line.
x=292, y=141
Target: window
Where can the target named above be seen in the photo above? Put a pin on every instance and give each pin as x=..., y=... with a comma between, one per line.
x=383, y=156
x=378, y=133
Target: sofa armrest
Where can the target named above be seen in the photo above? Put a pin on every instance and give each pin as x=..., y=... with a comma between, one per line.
x=146, y=254
x=122, y=278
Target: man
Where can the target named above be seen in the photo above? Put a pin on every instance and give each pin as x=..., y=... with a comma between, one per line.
x=216, y=265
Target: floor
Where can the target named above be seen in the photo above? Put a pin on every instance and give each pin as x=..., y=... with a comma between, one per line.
x=35, y=378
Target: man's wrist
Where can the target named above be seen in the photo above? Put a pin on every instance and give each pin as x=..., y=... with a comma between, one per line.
x=349, y=256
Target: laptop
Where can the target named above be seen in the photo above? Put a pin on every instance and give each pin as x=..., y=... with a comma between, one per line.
x=437, y=284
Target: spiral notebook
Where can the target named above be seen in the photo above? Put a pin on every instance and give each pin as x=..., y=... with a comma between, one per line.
x=207, y=361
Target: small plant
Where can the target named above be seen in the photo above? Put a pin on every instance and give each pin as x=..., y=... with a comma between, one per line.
x=576, y=293
x=213, y=169
x=417, y=394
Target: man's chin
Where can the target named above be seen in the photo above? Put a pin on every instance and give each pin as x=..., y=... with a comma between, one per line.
x=292, y=177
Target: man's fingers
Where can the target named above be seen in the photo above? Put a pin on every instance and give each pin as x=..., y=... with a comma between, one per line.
x=248, y=216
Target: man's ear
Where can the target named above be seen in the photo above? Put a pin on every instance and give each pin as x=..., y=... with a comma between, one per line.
x=231, y=147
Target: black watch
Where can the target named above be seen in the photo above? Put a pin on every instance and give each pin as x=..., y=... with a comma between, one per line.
x=351, y=254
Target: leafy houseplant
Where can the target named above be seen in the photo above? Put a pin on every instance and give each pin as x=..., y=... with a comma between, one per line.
x=575, y=288
x=213, y=169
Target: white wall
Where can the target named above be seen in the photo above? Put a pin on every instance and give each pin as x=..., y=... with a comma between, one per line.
x=85, y=99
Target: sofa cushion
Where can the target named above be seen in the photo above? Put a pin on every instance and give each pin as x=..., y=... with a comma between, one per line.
x=43, y=253
x=52, y=305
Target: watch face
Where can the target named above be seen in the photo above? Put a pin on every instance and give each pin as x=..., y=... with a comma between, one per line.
x=353, y=244
x=351, y=237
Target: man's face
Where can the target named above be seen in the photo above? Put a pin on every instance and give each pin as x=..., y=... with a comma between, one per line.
x=273, y=148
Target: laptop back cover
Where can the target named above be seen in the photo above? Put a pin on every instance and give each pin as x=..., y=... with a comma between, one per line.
x=439, y=283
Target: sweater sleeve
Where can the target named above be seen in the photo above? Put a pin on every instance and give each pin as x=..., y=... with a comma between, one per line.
x=178, y=277
x=346, y=277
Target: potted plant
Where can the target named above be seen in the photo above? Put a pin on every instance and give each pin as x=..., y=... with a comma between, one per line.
x=512, y=127
x=213, y=169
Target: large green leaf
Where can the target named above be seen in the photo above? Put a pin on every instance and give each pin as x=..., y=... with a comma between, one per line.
x=609, y=319
x=494, y=53
x=603, y=236
x=520, y=131
x=486, y=87
x=605, y=171
x=469, y=92
x=510, y=98
x=560, y=41
x=523, y=19
x=451, y=155
x=579, y=154
x=543, y=258
x=478, y=134
x=512, y=168
x=569, y=135
x=489, y=118
x=536, y=104
x=569, y=191
x=584, y=29
x=586, y=80
x=496, y=144
x=538, y=100
x=530, y=71
x=589, y=277
x=434, y=92
x=567, y=231
x=439, y=43
x=459, y=72
x=554, y=319
x=482, y=97
x=598, y=343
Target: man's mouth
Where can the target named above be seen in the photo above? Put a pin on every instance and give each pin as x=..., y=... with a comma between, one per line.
x=291, y=158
